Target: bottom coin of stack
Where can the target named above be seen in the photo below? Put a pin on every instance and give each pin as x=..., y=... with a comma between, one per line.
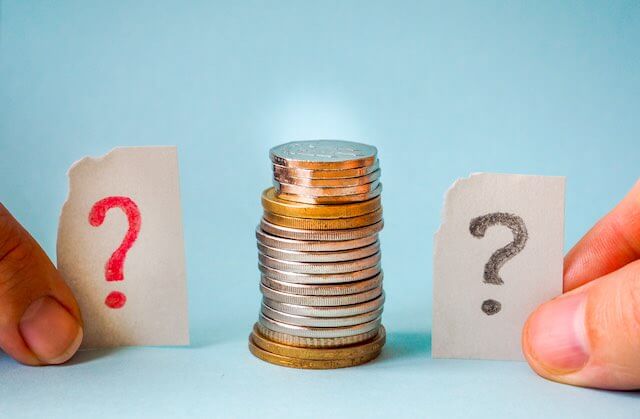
x=315, y=358
x=321, y=281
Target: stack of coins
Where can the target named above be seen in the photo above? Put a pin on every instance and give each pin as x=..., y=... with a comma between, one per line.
x=319, y=257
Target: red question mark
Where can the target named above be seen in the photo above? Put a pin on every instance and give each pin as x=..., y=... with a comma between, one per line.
x=113, y=269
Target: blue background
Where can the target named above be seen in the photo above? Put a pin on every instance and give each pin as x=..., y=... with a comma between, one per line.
x=441, y=88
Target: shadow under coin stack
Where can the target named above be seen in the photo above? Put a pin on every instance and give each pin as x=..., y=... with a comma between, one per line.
x=319, y=257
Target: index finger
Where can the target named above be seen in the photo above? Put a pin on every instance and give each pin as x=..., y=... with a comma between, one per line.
x=611, y=244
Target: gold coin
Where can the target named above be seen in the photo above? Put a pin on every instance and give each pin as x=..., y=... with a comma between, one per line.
x=304, y=342
x=332, y=199
x=271, y=203
x=286, y=188
x=353, y=351
x=327, y=183
x=284, y=171
x=312, y=364
x=324, y=224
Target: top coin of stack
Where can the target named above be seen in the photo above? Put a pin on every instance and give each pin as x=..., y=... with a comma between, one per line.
x=319, y=257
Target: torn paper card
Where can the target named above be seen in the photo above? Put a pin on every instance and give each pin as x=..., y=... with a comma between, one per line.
x=121, y=250
x=498, y=255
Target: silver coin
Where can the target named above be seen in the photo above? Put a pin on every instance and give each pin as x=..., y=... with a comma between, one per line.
x=339, y=256
x=303, y=342
x=328, y=289
x=284, y=171
x=296, y=278
x=286, y=188
x=320, y=321
x=328, y=311
x=320, y=301
x=313, y=245
x=327, y=183
x=320, y=267
x=321, y=235
x=321, y=154
x=319, y=332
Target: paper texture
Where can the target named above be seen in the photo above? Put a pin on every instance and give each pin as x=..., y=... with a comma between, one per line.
x=474, y=316
x=120, y=248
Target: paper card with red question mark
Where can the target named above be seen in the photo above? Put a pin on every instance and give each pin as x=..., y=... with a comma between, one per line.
x=497, y=255
x=121, y=250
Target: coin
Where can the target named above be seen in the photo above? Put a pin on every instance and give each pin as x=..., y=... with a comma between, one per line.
x=324, y=343
x=319, y=332
x=283, y=177
x=320, y=300
x=331, y=199
x=319, y=278
x=320, y=267
x=317, y=364
x=328, y=289
x=324, y=174
x=351, y=351
x=323, y=154
x=322, y=235
x=329, y=311
x=313, y=245
x=320, y=321
x=339, y=256
x=271, y=203
x=324, y=224
x=286, y=188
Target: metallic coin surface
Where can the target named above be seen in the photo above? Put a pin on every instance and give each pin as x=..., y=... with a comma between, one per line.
x=281, y=243
x=271, y=203
x=331, y=199
x=330, y=311
x=322, y=235
x=328, y=289
x=324, y=224
x=351, y=351
x=327, y=183
x=279, y=170
x=323, y=154
x=320, y=267
x=319, y=332
x=320, y=321
x=317, y=364
x=322, y=343
x=339, y=256
x=285, y=188
x=319, y=278
x=320, y=301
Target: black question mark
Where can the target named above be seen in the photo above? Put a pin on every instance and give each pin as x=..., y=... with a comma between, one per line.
x=477, y=228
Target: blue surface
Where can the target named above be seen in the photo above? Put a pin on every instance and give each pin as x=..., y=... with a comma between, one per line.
x=443, y=89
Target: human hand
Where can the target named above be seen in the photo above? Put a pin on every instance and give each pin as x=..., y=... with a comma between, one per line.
x=40, y=320
x=590, y=336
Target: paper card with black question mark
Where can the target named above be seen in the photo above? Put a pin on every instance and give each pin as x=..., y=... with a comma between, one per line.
x=121, y=248
x=497, y=255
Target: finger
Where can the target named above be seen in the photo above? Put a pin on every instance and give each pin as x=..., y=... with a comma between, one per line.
x=40, y=321
x=612, y=243
x=591, y=336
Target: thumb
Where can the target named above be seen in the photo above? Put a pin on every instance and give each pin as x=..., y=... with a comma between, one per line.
x=590, y=336
x=39, y=318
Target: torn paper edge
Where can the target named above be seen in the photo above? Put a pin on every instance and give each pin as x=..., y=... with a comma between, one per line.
x=94, y=160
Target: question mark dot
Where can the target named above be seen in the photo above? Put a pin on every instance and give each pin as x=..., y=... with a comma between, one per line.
x=115, y=299
x=491, y=307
